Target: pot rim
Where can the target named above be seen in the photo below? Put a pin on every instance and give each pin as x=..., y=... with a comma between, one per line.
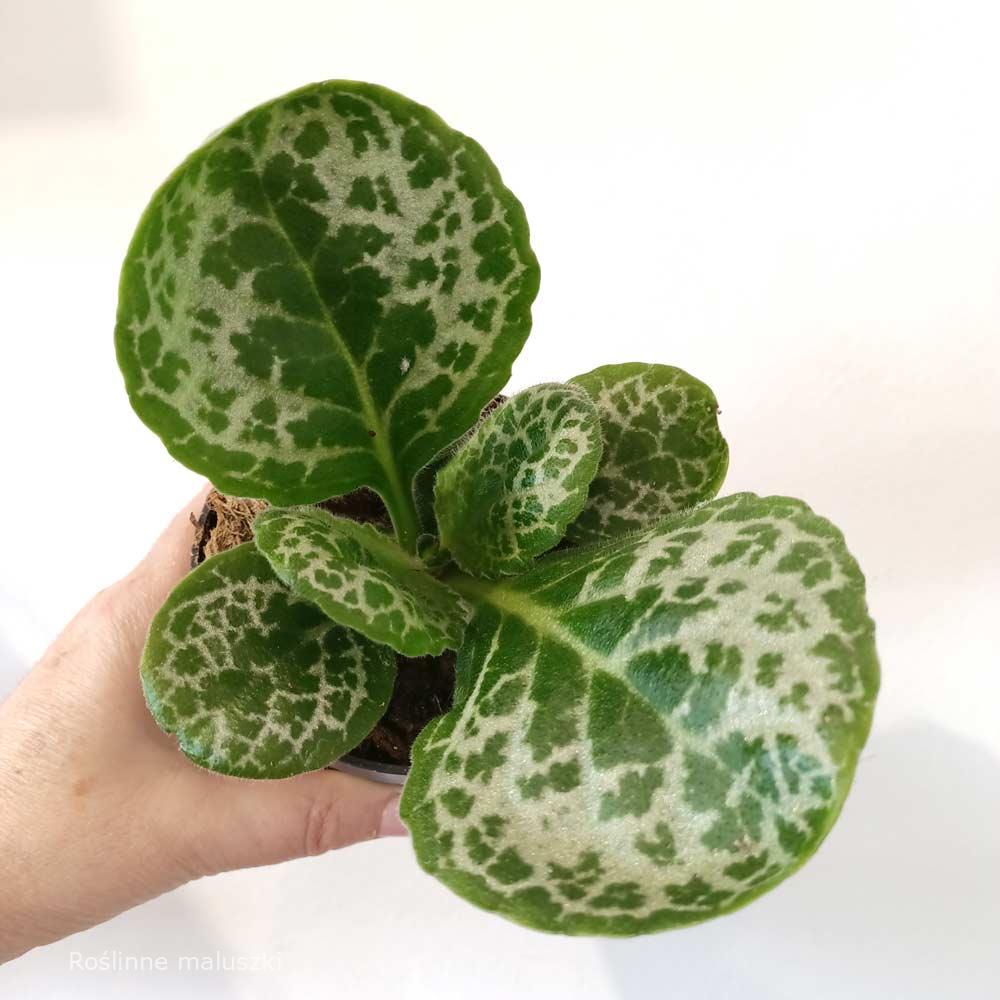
x=388, y=774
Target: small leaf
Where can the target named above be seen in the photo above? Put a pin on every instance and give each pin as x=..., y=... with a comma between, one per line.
x=663, y=450
x=509, y=493
x=254, y=681
x=323, y=296
x=654, y=731
x=362, y=579
x=423, y=484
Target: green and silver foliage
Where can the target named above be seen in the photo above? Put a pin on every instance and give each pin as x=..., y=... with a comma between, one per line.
x=254, y=681
x=362, y=579
x=651, y=727
x=423, y=484
x=323, y=296
x=653, y=731
x=521, y=478
x=663, y=451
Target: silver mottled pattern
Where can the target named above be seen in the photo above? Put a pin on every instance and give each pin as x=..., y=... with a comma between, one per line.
x=653, y=731
x=663, y=451
x=521, y=478
x=254, y=681
x=362, y=579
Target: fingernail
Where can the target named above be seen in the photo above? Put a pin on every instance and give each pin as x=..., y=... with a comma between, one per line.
x=390, y=824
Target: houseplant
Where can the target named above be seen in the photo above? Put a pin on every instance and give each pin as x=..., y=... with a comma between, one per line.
x=660, y=697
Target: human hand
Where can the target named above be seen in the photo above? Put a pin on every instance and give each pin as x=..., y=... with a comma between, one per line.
x=100, y=811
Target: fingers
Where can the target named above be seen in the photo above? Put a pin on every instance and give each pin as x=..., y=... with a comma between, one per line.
x=118, y=617
x=170, y=557
x=242, y=824
x=112, y=625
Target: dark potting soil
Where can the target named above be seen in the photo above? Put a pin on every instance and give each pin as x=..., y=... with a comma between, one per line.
x=424, y=685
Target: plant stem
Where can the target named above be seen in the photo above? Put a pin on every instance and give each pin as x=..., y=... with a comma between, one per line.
x=403, y=513
x=462, y=583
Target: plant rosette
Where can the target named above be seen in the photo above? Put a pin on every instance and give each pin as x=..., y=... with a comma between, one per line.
x=660, y=697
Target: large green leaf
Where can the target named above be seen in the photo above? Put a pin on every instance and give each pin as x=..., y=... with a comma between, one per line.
x=520, y=479
x=324, y=296
x=254, y=681
x=362, y=579
x=653, y=731
x=663, y=450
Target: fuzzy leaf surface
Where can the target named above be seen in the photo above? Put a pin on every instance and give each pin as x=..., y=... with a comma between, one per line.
x=663, y=450
x=508, y=494
x=254, y=681
x=653, y=731
x=323, y=296
x=423, y=484
x=362, y=579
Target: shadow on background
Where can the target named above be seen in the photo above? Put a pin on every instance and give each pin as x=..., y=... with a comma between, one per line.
x=902, y=900
x=71, y=76
x=170, y=926
x=23, y=637
x=12, y=666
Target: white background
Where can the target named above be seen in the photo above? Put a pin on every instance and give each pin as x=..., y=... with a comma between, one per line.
x=798, y=202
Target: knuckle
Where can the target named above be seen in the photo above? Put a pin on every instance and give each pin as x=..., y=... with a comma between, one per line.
x=107, y=602
x=324, y=829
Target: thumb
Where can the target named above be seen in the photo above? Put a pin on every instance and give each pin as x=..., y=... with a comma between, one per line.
x=169, y=560
x=236, y=823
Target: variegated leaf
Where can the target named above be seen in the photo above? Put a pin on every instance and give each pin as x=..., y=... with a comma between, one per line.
x=362, y=579
x=653, y=731
x=423, y=484
x=254, y=681
x=323, y=297
x=521, y=478
x=663, y=450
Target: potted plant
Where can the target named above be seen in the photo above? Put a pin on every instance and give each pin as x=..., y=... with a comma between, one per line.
x=659, y=697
